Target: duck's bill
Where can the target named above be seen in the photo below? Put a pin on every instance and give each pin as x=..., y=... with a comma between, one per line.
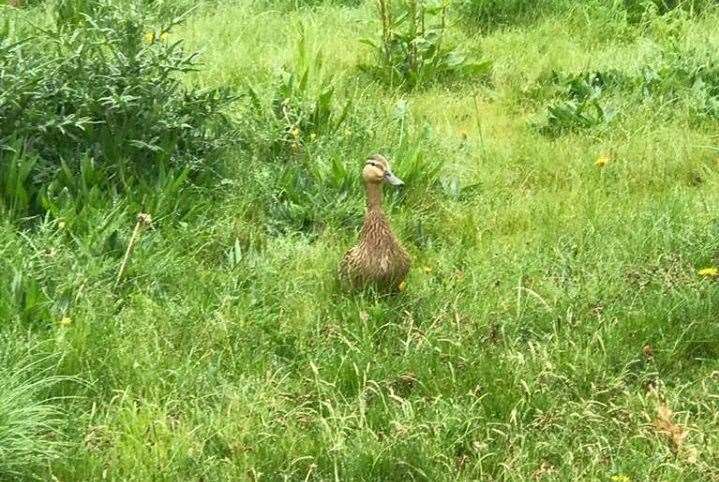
x=392, y=179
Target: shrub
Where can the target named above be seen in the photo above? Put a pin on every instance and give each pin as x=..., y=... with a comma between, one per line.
x=413, y=50
x=108, y=89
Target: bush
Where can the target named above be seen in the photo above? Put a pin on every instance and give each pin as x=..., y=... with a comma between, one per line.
x=109, y=89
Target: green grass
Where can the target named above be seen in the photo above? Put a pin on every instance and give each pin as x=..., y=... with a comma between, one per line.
x=516, y=350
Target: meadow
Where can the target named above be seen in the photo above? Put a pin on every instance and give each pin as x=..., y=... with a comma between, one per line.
x=561, y=162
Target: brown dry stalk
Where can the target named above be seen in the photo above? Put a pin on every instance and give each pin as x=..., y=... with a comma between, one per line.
x=143, y=220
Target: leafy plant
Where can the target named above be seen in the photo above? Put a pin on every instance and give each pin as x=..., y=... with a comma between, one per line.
x=691, y=74
x=107, y=87
x=302, y=106
x=579, y=105
x=412, y=50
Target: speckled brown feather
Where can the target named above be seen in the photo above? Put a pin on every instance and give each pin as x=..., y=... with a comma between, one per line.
x=378, y=259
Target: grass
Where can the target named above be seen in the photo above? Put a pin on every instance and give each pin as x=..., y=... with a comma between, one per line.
x=553, y=312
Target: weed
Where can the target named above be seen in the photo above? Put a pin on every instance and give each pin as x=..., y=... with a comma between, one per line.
x=579, y=105
x=413, y=49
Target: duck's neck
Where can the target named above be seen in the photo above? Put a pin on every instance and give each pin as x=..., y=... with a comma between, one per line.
x=374, y=197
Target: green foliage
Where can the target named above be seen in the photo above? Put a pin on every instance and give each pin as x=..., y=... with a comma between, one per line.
x=563, y=289
x=302, y=105
x=289, y=5
x=492, y=14
x=109, y=88
x=413, y=50
x=316, y=163
x=579, y=104
x=641, y=9
x=29, y=423
x=689, y=74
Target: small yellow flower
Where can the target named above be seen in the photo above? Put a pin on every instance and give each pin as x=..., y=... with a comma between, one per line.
x=602, y=160
x=65, y=321
x=402, y=286
x=620, y=478
x=149, y=37
x=711, y=272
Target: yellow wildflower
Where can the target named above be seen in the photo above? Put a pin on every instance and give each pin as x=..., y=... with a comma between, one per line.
x=621, y=478
x=711, y=272
x=65, y=321
x=402, y=286
x=602, y=160
x=149, y=37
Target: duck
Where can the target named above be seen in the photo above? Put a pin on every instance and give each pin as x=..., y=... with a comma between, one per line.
x=378, y=259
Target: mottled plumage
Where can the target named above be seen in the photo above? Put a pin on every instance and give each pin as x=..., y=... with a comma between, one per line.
x=378, y=259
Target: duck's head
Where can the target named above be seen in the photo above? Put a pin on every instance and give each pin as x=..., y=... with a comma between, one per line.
x=377, y=170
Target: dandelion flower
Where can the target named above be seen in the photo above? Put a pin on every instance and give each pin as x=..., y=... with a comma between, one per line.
x=602, y=160
x=711, y=272
x=149, y=37
x=65, y=321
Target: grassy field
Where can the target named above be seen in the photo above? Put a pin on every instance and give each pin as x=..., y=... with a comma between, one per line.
x=555, y=324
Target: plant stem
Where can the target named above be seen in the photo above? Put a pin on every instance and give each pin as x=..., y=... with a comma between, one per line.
x=142, y=220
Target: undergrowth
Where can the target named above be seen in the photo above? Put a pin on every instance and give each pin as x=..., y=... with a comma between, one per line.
x=559, y=320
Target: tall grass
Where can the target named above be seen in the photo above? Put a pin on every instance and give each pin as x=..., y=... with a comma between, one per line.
x=30, y=423
x=559, y=322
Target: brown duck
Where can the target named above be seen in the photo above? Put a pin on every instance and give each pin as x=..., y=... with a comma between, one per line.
x=378, y=259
